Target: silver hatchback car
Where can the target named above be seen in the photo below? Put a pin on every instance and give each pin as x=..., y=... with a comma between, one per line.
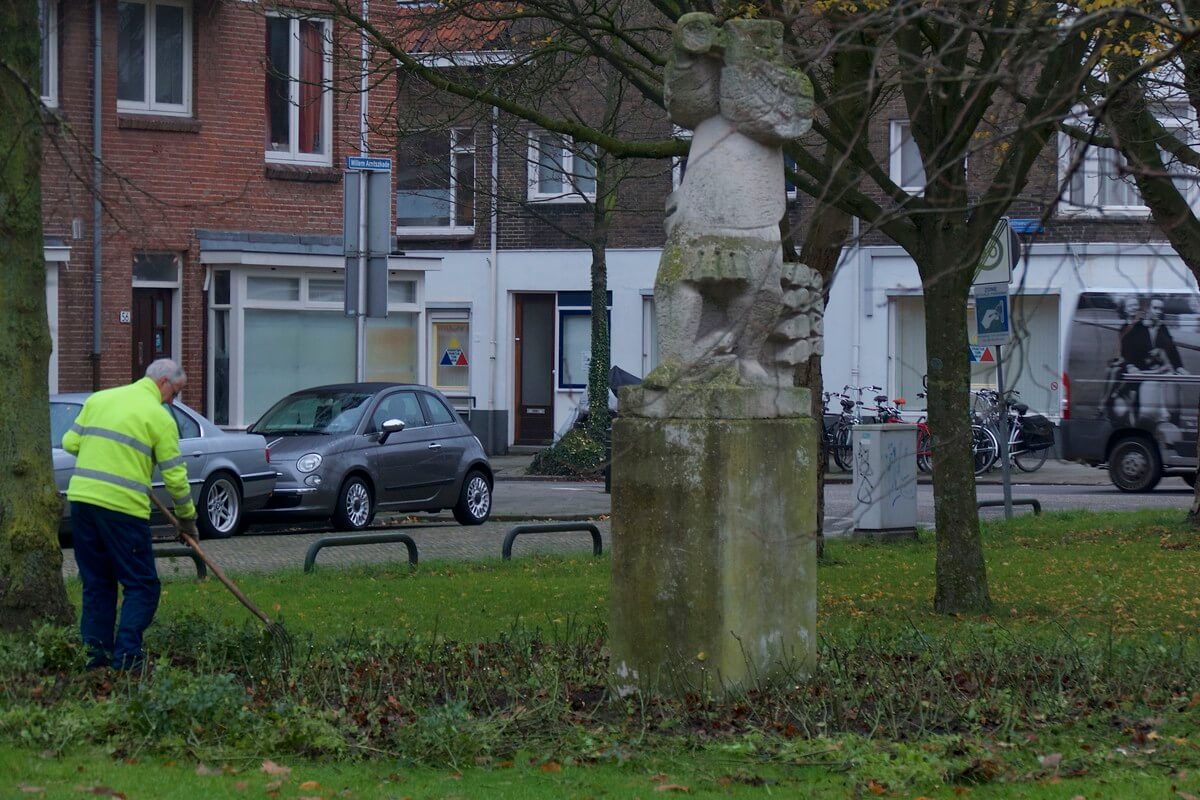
x=346, y=451
x=230, y=473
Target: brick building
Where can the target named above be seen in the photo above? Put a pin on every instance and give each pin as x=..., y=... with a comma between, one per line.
x=217, y=149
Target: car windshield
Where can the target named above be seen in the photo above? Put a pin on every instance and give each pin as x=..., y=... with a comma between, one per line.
x=62, y=416
x=326, y=411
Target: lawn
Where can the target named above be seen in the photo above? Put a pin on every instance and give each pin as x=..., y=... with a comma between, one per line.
x=488, y=680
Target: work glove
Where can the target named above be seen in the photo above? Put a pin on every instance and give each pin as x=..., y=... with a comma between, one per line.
x=188, y=526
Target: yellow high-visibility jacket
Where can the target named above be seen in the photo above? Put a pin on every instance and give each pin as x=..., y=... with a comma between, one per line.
x=118, y=437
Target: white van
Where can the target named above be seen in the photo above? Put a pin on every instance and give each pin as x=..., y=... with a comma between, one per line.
x=1132, y=384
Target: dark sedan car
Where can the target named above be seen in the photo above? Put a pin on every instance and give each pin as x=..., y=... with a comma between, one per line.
x=230, y=473
x=344, y=452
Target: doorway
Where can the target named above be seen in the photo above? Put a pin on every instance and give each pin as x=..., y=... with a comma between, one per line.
x=152, y=327
x=534, y=368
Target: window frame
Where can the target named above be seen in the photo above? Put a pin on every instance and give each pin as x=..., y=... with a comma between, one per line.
x=436, y=319
x=48, y=24
x=1089, y=165
x=570, y=192
x=148, y=105
x=456, y=148
x=291, y=155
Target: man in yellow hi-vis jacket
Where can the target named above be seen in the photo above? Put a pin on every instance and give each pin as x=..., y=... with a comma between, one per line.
x=118, y=438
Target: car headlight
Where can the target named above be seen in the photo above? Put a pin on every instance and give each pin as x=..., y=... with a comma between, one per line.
x=308, y=462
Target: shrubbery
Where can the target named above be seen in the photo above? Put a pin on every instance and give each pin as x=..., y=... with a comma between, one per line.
x=576, y=454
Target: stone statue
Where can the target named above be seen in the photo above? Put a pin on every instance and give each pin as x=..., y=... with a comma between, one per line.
x=729, y=309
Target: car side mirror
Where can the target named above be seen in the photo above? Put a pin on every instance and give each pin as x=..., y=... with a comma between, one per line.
x=389, y=427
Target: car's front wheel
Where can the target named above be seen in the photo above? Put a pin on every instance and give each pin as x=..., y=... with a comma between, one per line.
x=475, y=500
x=355, y=505
x=219, y=514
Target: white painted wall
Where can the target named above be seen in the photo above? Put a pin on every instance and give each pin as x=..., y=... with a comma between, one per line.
x=860, y=329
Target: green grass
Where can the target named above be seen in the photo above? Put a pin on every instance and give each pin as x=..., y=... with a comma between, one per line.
x=1081, y=682
x=1128, y=574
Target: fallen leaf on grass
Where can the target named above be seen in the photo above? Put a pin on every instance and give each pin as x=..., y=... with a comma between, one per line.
x=102, y=791
x=1051, y=760
x=271, y=768
x=308, y=786
x=671, y=787
x=1186, y=796
x=274, y=786
x=28, y=789
x=876, y=788
x=241, y=786
x=551, y=766
x=202, y=769
x=658, y=777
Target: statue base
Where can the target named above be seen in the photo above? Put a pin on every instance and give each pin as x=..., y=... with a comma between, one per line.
x=714, y=527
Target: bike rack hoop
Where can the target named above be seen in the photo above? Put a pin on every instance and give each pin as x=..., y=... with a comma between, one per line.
x=310, y=557
x=179, y=551
x=553, y=527
x=1032, y=502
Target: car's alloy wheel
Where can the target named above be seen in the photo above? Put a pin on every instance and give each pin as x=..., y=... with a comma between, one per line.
x=355, y=505
x=220, y=508
x=475, y=500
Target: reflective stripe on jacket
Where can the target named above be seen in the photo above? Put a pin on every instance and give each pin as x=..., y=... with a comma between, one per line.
x=117, y=439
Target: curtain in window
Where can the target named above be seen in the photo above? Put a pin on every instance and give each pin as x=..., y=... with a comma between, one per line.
x=312, y=61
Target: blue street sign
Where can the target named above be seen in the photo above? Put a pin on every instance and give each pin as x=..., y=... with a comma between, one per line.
x=992, y=322
x=369, y=163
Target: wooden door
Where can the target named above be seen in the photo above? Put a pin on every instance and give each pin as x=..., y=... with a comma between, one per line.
x=534, y=369
x=152, y=328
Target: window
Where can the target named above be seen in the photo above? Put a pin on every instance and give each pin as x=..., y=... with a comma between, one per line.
x=435, y=183
x=154, y=57
x=905, y=167
x=48, y=21
x=403, y=406
x=156, y=269
x=575, y=338
x=299, y=102
x=438, y=413
x=1098, y=180
x=219, y=352
x=451, y=359
x=560, y=171
x=188, y=427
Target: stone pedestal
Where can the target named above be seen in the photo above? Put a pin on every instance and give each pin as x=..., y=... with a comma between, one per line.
x=714, y=526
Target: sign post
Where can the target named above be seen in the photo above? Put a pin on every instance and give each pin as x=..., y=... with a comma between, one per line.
x=366, y=237
x=993, y=326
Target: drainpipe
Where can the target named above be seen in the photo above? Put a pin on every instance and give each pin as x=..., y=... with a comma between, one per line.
x=856, y=324
x=493, y=256
x=360, y=318
x=97, y=245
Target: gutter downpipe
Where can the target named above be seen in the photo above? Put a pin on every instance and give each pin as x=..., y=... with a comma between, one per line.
x=856, y=326
x=360, y=318
x=493, y=257
x=97, y=166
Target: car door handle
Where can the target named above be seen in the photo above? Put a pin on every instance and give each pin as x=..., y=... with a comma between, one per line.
x=435, y=446
x=197, y=454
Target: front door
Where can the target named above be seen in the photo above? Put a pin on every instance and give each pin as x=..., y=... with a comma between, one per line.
x=151, y=327
x=534, y=366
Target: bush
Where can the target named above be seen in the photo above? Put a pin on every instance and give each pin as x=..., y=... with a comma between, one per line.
x=575, y=455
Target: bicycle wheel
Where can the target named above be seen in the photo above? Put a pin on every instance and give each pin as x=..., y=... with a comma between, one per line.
x=843, y=448
x=924, y=451
x=984, y=447
x=1030, y=460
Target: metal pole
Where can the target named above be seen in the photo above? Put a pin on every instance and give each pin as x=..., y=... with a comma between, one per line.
x=360, y=317
x=1005, y=468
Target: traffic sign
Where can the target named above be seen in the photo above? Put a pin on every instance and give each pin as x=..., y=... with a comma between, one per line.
x=999, y=255
x=992, y=321
x=368, y=164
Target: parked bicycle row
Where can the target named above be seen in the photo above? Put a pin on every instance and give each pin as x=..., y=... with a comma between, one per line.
x=1030, y=436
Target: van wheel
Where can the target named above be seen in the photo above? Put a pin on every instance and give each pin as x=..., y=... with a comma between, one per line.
x=1134, y=465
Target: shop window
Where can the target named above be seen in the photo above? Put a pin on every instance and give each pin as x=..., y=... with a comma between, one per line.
x=392, y=348
x=451, y=356
x=272, y=289
x=285, y=350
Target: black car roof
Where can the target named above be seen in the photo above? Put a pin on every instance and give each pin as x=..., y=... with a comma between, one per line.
x=366, y=386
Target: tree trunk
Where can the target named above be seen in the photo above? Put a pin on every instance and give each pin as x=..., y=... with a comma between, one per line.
x=31, y=583
x=599, y=420
x=960, y=572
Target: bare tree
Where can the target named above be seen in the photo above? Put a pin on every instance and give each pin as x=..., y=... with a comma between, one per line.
x=31, y=584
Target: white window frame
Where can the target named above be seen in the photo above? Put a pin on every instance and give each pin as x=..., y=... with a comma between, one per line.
x=896, y=131
x=570, y=192
x=457, y=135
x=1089, y=165
x=291, y=155
x=455, y=394
x=48, y=17
x=148, y=105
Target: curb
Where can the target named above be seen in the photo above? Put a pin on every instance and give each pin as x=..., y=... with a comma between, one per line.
x=925, y=480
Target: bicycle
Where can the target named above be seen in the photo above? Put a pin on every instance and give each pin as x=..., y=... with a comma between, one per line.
x=843, y=443
x=985, y=446
x=1028, y=441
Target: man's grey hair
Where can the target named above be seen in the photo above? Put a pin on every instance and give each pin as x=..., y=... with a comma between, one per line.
x=166, y=368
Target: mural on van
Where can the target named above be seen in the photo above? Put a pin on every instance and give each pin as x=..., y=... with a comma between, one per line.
x=1135, y=363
